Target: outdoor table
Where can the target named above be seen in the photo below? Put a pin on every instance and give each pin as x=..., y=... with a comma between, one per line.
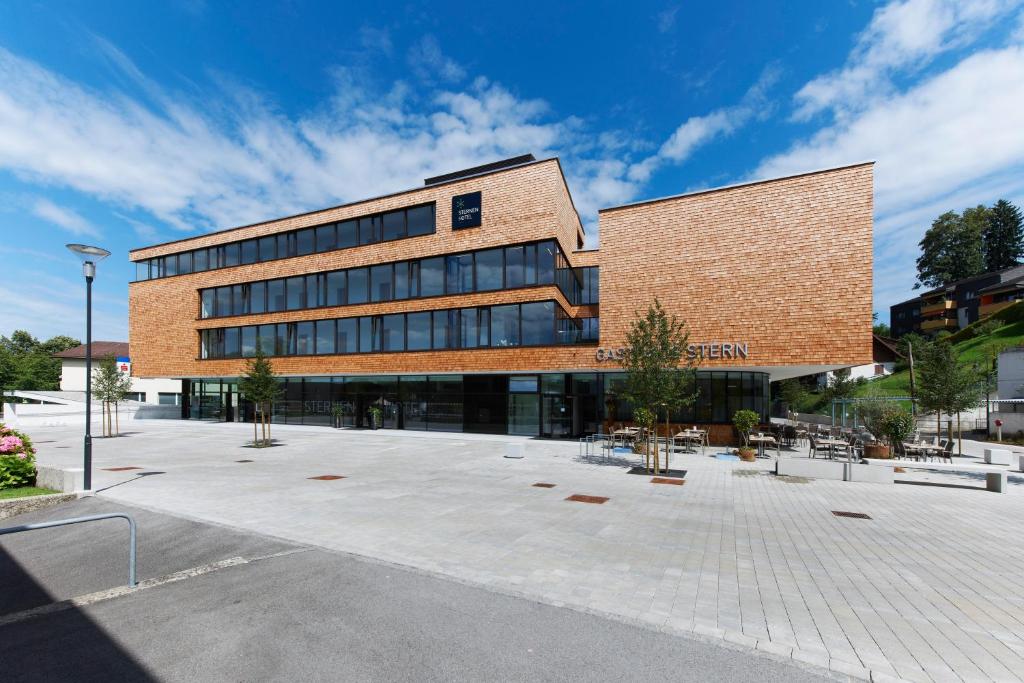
x=626, y=432
x=688, y=434
x=830, y=443
x=761, y=441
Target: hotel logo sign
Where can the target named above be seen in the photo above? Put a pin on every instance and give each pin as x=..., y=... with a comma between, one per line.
x=467, y=210
x=709, y=350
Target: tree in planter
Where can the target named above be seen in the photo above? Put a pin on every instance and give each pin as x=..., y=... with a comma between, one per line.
x=944, y=384
x=376, y=417
x=259, y=385
x=744, y=421
x=659, y=374
x=110, y=386
x=897, y=424
x=646, y=419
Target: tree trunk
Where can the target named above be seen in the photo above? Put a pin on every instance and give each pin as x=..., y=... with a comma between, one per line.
x=959, y=437
x=910, y=360
x=269, y=435
x=117, y=420
x=938, y=425
x=657, y=469
x=666, y=438
x=255, y=417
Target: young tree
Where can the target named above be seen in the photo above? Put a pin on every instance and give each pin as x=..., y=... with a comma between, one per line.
x=659, y=375
x=951, y=248
x=1003, y=238
x=793, y=393
x=259, y=385
x=110, y=386
x=944, y=384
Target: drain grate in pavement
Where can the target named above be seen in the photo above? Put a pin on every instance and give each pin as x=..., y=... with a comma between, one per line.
x=243, y=461
x=663, y=480
x=854, y=515
x=542, y=485
x=121, y=469
x=580, y=498
x=328, y=477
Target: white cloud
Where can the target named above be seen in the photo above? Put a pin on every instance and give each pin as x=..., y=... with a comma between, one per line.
x=902, y=35
x=429, y=63
x=697, y=131
x=954, y=139
x=63, y=217
x=666, y=19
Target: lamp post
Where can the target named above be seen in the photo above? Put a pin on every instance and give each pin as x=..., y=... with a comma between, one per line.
x=90, y=256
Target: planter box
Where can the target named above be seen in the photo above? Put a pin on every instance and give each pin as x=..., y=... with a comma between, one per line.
x=997, y=456
x=877, y=450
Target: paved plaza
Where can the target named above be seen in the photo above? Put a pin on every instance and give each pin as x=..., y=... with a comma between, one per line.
x=928, y=588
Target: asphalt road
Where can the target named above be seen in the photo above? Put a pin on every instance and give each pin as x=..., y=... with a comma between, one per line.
x=309, y=615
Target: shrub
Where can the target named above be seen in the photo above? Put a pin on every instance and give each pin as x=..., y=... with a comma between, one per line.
x=17, y=459
x=745, y=420
x=897, y=425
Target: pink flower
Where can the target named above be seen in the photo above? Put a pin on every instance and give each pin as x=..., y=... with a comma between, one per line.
x=9, y=444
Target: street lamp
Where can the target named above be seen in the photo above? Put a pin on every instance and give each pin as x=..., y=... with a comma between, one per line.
x=90, y=256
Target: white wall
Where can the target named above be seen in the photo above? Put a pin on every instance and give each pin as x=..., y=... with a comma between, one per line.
x=1011, y=374
x=72, y=378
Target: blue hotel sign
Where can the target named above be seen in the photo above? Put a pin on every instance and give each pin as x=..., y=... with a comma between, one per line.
x=467, y=210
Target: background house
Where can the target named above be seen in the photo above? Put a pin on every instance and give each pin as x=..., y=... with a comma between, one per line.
x=144, y=390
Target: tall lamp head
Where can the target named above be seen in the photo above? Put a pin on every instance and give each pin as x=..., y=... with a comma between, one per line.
x=90, y=256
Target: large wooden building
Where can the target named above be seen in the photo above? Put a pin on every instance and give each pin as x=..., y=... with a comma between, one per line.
x=470, y=303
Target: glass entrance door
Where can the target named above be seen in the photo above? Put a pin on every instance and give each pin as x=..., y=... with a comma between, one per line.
x=557, y=412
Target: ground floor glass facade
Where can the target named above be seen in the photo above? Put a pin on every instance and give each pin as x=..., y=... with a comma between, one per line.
x=555, y=405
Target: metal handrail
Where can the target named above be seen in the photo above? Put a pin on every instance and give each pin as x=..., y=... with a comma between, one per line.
x=87, y=518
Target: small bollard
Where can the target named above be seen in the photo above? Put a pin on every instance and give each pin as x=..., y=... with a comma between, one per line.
x=514, y=450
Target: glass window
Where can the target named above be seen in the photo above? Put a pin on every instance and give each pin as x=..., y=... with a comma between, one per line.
x=287, y=332
x=531, y=263
x=336, y=288
x=223, y=301
x=432, y=276
x=348, y=335
x=401, y=281
x=185, y=263
x=141, y=270
x=216, y=257
x=369, y=334
x=505, y=325
x=469, y=332
x=305, y=242
x=538, y=323
x=418, y=331
x=420, y=220
x=369, y=230
x=285, y=245
x=200, y=260
x=394, y=225
x=248, y=341
x=232, y=347
x=440, y=329
x=268, y=248
x=275, y=296
x=393, y=331
x=524, y=414
x=167, y=398
x=348, y=234
x=489, y=265
x=207, y=304
x=296, y=295
x=266, y=338
x=170, y=265
x=546, y=262
x=459, y=269
x=238, y=299
x=522, y=384
x=232, y=255
x=314, y=296
x=258, y=297
x=514, y=267
x=326, y=238
x=249, y=251
x=414, y=279
x=304, y=338
x=357, y=286
x=324, y=336
x=484, y=325
x=380, y=282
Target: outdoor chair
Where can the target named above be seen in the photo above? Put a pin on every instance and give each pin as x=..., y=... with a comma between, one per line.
x=947, y=451
x=906, y=453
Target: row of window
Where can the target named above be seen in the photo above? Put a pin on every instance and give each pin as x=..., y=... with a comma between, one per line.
x=477, y=271
x=531, y=324
x=382, y=227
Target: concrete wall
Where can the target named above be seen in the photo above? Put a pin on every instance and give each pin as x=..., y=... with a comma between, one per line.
x=1011, y=374
x=27, y=415
x=72, y=378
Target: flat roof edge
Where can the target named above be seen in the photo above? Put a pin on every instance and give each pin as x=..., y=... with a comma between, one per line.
x=348, y=204
x=734, y=186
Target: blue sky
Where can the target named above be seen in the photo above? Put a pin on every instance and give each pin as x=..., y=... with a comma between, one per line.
x=125, y=124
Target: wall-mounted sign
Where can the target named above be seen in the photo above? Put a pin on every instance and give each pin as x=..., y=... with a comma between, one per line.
x=709, y=350
x=467, y=210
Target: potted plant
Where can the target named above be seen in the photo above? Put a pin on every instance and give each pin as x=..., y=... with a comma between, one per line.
x=873, y=413
x=897, y=425
x=744, y=421
x=337, y=411
x=376, y=417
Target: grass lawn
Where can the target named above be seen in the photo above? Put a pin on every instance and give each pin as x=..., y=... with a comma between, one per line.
x=24, y=492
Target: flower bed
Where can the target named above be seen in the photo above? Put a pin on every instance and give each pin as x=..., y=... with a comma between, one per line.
x=17, y=459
